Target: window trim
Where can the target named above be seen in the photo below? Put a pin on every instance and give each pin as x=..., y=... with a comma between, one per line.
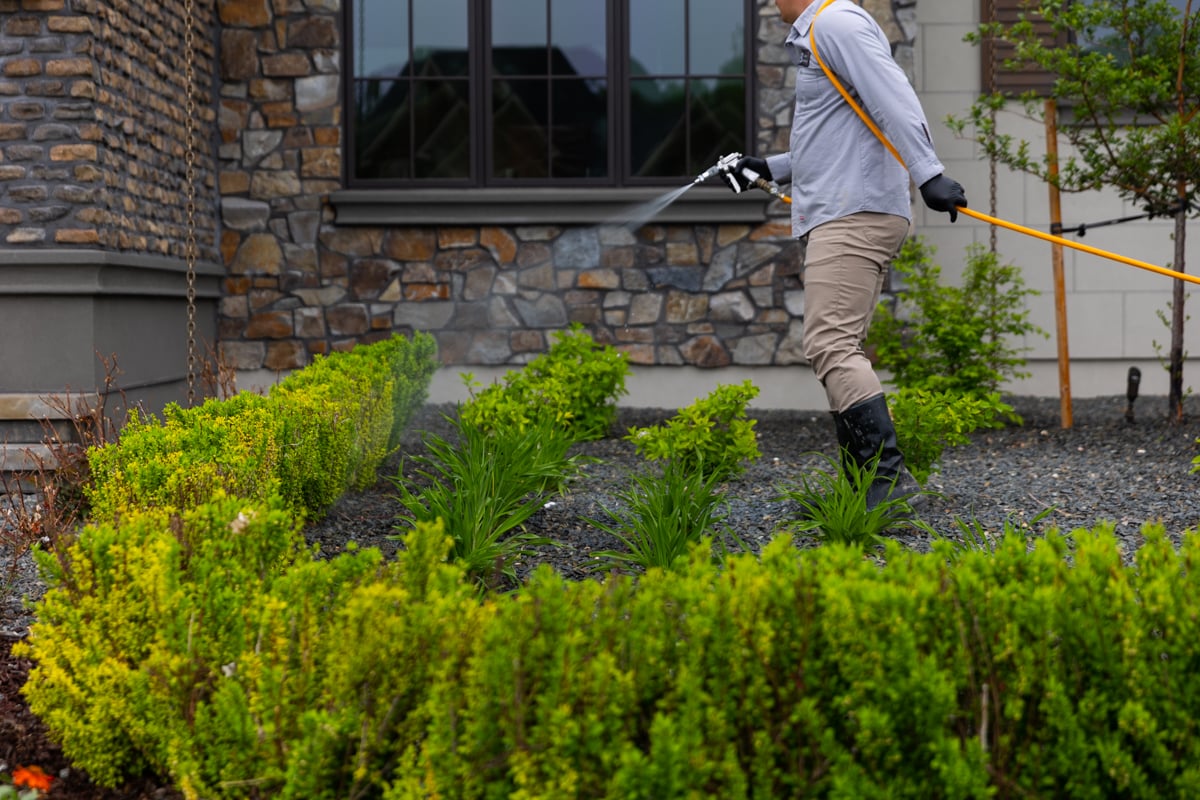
x=540, y=206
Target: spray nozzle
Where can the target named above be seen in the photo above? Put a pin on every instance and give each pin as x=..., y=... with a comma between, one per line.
x=740, y=180
x=725, y=164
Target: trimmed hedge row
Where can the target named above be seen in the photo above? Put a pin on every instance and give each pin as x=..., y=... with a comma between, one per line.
x=216, y=650
x=189, y=633
x=321, y=431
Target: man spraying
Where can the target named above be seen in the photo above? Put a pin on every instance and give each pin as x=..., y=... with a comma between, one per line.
x=850, y=201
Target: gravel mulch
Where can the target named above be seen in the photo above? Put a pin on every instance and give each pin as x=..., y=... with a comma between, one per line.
x=1103, y=469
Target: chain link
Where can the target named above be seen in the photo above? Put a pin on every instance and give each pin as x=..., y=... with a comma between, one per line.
x=189, y=179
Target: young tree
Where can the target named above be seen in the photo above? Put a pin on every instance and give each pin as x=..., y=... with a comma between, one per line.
x=1128, y=79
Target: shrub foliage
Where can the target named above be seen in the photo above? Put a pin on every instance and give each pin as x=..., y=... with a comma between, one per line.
x=215, y=650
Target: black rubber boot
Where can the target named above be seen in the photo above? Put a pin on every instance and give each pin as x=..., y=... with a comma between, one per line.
x=843, y=439
x=869, y=433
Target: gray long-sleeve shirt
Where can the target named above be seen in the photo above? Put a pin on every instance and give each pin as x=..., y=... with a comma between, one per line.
x=836, y=165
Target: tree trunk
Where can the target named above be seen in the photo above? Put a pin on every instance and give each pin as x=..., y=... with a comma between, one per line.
x=1175, y=370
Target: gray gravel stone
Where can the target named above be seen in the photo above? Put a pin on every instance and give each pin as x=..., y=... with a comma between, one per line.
x=1102, y=469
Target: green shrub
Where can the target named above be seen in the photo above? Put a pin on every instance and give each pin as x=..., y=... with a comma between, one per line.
x=928, y=422
x=321, y=431
x=825, y=675
x=484, y=486
x=213, y=649
x=712, y=435
x=382, y=653
x=953, y=338
x=755, y=679
x=136, y=624
x=576, y=384
x=184, y=460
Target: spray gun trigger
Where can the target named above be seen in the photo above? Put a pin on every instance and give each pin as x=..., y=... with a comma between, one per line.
x=724, y=165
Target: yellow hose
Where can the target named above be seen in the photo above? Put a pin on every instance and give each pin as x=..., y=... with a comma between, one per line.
x=1012, y=226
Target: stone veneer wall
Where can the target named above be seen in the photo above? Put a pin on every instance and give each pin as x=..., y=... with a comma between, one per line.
x=92, y=126
x=299, y=285
x=93, y=209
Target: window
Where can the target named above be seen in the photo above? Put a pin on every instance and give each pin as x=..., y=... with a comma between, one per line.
x=1014, y=82
x=1107, y=40
x=493, y=93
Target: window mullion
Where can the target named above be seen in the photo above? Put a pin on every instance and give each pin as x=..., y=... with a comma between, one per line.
x=481, y=74
x=549, y=155
x=411, y=80
x=619, y=75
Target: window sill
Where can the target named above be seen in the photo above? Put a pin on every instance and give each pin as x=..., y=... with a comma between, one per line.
x=548, y=206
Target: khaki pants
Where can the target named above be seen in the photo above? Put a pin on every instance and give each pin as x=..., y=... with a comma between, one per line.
x=845, y=265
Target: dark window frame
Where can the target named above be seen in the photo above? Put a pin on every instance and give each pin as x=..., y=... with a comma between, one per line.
x=481, y=80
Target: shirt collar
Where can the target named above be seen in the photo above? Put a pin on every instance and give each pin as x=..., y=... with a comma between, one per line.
x=803, y=24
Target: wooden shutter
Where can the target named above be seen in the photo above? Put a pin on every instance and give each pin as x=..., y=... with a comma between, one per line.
x=1013, y=81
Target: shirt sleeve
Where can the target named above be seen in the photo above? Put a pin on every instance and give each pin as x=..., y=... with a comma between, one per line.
x=780, y=166
x=850, y=44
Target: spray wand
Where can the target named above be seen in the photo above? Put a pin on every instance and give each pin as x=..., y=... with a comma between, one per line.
x=726, y=167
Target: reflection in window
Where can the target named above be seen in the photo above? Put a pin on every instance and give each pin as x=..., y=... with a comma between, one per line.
x=550, y=91
x=688, y=90
x=412, y=109
x=1107, y=41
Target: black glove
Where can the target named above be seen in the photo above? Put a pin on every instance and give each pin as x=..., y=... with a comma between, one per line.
x=747, y=170
x=944, y=194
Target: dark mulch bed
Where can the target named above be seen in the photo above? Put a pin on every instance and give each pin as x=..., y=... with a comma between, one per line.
x=1102, y=469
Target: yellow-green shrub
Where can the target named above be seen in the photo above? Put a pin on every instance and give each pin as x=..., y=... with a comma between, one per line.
x=212, y=648
x=234, y=662
x=183, y=460
x=321, y=431
x=575, y=384
x=139, y=618
x=399, y=365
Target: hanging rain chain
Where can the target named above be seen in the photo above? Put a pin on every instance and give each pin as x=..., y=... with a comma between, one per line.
x=189, y=42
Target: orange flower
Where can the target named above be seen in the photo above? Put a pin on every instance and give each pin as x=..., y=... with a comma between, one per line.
x=32, y=777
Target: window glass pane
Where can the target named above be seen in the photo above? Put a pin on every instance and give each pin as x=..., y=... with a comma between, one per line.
x=657, y=128
x=1114, y=43
x=380, y=38
x=440, y=30
x=717, y=119
x=520, y=134
x=519, y=37
x=382, y=144
x=579, y=137
x=442, y=129
x=716, y=37
x=656, y=37
x=578, y=34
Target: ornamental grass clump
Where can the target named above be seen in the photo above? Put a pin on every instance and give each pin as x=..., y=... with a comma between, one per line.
x=483, y=485
x=833, y=505
x=661, y=516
